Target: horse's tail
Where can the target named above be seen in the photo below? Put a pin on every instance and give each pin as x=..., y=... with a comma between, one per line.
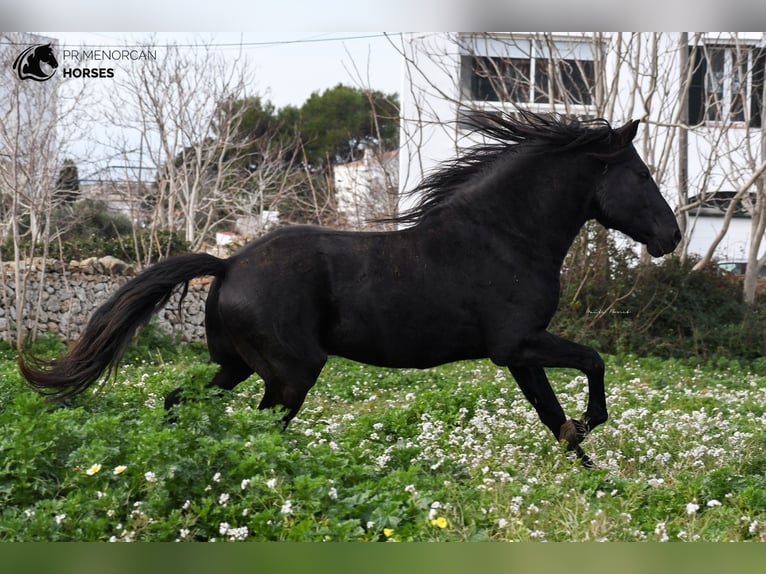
x=111, y=327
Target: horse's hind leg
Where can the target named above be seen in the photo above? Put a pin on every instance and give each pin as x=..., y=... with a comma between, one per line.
x=232, y=372
x=287, y=383
x=233, y=369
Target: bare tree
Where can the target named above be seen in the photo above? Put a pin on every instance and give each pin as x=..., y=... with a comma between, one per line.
x=36, y=123
x=182, y=107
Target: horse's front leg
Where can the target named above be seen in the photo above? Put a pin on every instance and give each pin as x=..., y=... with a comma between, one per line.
x=548, y=350
x=536, y=387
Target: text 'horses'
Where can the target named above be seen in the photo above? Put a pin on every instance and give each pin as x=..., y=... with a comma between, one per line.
x=475, y=275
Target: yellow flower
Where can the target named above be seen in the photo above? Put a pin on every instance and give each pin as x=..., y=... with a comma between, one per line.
x=441, y=522
x=388, y=532
x=93, y=469
x=120, y=469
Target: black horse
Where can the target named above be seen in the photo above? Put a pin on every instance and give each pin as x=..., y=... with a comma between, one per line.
x=476, y=275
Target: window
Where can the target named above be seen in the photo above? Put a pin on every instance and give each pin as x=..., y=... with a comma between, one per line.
x=569, y=81
x=727, y=84
x=526, y=71
x=500, y=79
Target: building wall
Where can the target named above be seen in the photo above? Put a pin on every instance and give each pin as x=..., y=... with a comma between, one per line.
x=366, y=189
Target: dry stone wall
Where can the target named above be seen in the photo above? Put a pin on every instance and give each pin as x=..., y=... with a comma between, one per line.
x=71, y=293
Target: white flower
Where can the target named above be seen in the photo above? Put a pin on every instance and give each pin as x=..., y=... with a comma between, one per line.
x=238, y=533
x=502, y=523
x=410, y=488
x=245, y=483
x=93, y=469
x=223, y=499
x=692, y=507
x=217, y=477
x=287, y=507
x=713, y=503
x=333, y=493
x=60, y=518
x=661, y=532
x=150, y=476
x=271, y=483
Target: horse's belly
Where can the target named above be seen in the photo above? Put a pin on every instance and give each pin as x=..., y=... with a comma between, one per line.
x=406, y=346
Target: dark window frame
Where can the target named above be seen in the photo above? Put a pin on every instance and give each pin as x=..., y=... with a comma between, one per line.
x=527, y=80
x=710, y=95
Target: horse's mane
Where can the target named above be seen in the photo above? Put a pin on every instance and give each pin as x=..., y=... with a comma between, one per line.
x=527, y=131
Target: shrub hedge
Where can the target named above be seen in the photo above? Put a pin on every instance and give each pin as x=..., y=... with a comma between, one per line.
x=663, y=309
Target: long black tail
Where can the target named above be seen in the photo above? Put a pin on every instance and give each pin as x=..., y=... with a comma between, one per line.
x=108, y=332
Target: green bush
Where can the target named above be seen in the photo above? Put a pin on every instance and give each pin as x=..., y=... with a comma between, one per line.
x=150, y=246
x=162, y=244
x=663, y=309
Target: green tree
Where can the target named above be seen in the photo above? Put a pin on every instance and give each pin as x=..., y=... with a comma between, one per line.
x=335, y=125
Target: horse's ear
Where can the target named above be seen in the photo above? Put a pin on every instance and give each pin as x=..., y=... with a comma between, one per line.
x=626, y=133
x=619, y=140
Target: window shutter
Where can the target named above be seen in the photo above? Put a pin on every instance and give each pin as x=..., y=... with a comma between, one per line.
x=697, y=86
x=757, y=83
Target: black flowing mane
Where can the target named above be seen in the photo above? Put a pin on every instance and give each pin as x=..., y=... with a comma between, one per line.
x=528, y=132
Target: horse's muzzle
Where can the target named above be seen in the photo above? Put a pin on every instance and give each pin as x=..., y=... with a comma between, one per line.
x=662, y=244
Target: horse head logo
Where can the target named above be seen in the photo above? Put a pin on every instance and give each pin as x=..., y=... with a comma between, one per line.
x=28, y=65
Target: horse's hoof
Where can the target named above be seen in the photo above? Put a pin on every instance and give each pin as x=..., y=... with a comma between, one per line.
x=568, y=433
x=573, y=432
x=586, y=461
x=581, y=428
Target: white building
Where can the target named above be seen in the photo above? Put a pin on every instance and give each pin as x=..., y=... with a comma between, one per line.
x=700, y=97
x=366, y=189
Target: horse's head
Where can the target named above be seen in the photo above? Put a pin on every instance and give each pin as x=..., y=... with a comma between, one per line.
x=45, y=54
x=628, y=199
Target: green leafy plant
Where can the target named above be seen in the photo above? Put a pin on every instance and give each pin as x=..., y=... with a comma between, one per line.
x=453, y=453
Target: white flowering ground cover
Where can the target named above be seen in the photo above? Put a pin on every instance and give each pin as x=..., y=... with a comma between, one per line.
x=453, y=453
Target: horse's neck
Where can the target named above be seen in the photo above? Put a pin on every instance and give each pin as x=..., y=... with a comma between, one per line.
x=532, y=207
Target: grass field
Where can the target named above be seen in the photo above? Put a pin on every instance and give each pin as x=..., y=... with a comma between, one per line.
x=453, y=453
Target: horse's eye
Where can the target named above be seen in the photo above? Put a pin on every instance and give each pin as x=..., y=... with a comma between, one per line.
x=644, y=174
